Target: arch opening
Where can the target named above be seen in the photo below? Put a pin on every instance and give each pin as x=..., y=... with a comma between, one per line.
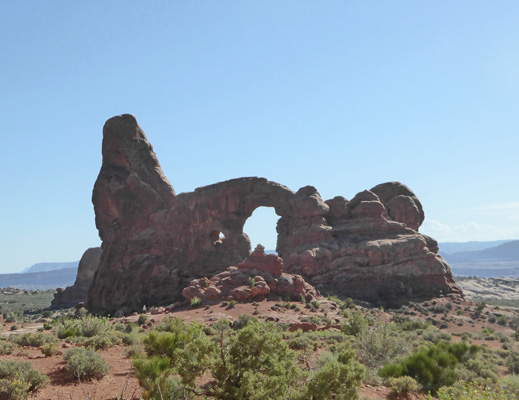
x=217, y=237
x=260, y=227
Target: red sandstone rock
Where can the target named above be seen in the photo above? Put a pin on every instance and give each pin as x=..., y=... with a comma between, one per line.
x=155, y=242
x=256, y=277
x=78, y=292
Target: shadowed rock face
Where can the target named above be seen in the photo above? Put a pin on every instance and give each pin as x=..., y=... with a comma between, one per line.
x=155, y=242
x=78, y=292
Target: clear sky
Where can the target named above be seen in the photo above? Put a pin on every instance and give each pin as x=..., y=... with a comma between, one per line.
x=341, y=95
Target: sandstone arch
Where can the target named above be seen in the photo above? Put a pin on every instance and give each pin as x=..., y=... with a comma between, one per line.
x=155, y=241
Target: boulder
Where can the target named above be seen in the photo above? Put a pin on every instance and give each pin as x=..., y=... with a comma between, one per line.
x=257, y=277
x=78, y=292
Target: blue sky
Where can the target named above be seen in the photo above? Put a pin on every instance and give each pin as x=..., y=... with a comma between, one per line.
x=341, y=95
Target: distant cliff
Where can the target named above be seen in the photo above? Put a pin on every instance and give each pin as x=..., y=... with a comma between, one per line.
x=504, y=252
x=50, y=266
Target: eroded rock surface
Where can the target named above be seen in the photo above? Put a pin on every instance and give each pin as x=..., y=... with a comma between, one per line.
x=78, y=292
x=156, y=242
x=257, y=277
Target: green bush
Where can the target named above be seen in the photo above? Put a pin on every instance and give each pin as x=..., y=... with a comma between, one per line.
x=355, y=325
x=253, y=362
x=49, y=349
x=403, y=385
x=142, y=319
x=34, y=339
x=512, y=361
x=434, y=335
x=196, y=302
x=476, y=391
x=432, y=367
x=6, y=347
x=103, y=341
x=18, y=380
x=339, y=379
x=85, y=364
x=242, y=321
x=381, y=344
x=86, y=326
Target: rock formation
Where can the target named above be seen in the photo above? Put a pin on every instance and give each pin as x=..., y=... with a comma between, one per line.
x=257, y=277
x=78, y=292
x=156, y=242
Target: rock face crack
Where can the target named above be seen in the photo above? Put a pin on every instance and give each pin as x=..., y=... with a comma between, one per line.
x=156, y=242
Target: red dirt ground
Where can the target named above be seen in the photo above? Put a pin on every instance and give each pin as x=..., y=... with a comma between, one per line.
x=120, y=383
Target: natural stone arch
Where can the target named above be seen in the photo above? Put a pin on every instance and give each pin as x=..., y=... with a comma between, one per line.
x=155, y=242
x=261, y=228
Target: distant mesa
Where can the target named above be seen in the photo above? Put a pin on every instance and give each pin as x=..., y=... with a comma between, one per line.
x=155, y=242
x=484, y=259
x=508, y=251
x=50, y=266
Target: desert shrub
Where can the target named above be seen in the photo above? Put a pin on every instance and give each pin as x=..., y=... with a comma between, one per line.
x=242, y=321
x=174, y=350
x=11, y=317
x=433, y=334
x=132, y=338
x=232, y=303
x=302, y=342
x=476, y=391
x=85, y=364
x=253, y=362
x=6, y=347
x=355, y=325
x=432, y=367
x=337, y=301
x=512, y=361
x=257, y=363
x=142, y=319
x=510, y=384
x=135, y=351
x=333, y=341
x=196, y=302
x=403, y=385
x=49, y=349
x=103, y=341
x=81, y=312
x=14, y=327
x=86, y=326
x=405, y=323
x=47, y=325
x=479, y=308
x=34, y=339
x=479, y=368
x=381, y=344
x=438, y=309
x=18, y=380
x=340, y=379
